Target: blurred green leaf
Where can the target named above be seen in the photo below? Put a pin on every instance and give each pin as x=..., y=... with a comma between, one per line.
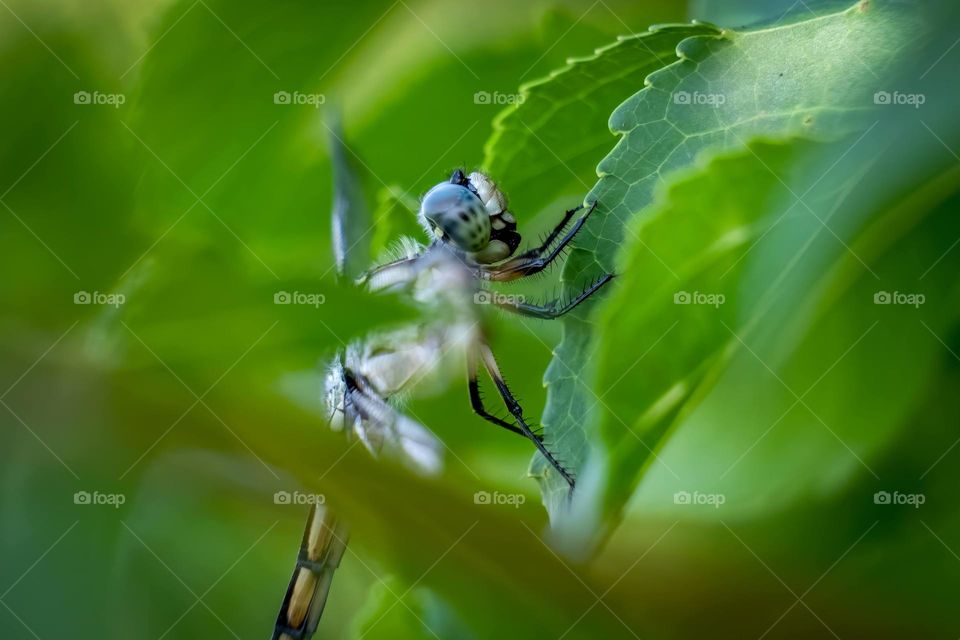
x=754, y=363
x=396, y=216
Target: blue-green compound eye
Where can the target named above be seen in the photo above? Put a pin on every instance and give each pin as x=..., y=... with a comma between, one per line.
x=456, y=214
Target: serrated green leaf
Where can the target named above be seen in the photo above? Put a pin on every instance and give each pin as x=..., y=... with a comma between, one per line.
x=778, y=82
x=552, y=140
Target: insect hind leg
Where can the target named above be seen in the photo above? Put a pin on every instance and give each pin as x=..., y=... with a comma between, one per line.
x=513, y=406
x=476, y=402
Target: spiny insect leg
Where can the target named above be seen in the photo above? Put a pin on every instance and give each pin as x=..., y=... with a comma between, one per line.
x=490, y=364
x=553, y=309
x=533, y=261
x=536, y=252
x=477, y=402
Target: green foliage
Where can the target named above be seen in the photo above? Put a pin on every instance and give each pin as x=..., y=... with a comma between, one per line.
x=796, y=198
x=557, y=133
x=778, y=83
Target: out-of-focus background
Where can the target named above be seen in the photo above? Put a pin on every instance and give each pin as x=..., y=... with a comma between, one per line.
x=165, y=172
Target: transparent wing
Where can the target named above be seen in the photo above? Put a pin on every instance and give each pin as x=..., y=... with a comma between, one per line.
x=386, y=431
x=350, y=217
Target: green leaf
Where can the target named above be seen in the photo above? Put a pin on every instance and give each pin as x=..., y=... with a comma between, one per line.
x=773, y=298
x=553, y=138
x=421, y=614
x=778, y=82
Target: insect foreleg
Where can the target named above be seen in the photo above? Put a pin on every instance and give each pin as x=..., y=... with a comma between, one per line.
x=534, y=260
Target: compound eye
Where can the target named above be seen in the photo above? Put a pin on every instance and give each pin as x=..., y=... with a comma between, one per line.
x=456, y=215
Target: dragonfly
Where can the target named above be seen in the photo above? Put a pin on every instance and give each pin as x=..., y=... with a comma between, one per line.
x=472, y=242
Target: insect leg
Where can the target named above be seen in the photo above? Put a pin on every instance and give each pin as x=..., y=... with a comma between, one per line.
x=490, y=364
x=545, y=246
x=397, y=273
x=555, y=308
x=477, y=402
x=533, y=261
